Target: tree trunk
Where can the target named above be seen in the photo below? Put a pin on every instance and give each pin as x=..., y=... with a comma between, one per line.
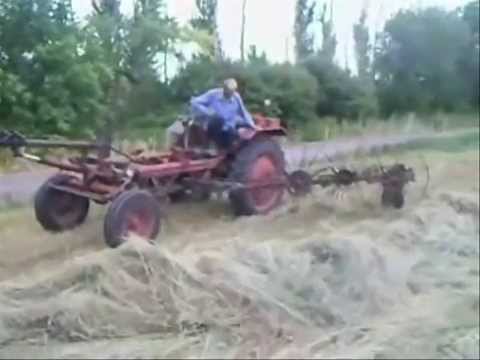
x=242, y=39
x=105, y=134
x=165, y=64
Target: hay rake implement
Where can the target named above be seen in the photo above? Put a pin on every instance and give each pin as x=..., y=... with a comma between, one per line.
x=252, y=173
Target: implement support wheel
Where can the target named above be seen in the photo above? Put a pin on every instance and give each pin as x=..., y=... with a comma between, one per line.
x=134, y=212
x=393, y=197
x=260, y=162
x=58, y=211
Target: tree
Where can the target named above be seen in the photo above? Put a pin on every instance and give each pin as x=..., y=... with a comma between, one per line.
x=469, y=63
x=329, y=39
x=151, y=37
x=338, y=94
x=25, y=25
x=242, y=31
x=149, y=33
x=137, y=48
x=51, y=77
x=109, y=25
x=304, y=17
x=291, y=89
x=206, y=22
x=207, y=17
x=255, y=58
x=362, y=47
x=367, y=100
x=417, y=61
x=471, y=14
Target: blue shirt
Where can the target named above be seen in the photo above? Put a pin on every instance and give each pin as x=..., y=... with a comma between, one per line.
x=232, y=111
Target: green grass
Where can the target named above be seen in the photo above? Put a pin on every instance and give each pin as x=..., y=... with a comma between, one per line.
x=329, y=128
x=449, y=144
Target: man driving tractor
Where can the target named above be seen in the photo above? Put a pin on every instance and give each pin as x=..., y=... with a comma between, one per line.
x=221, y=112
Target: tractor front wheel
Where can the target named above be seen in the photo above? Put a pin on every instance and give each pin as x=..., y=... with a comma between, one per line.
x=134, y=212
x=260, y=167
x=58, y=211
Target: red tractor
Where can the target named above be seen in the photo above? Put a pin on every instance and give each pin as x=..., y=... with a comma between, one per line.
x=253, y=173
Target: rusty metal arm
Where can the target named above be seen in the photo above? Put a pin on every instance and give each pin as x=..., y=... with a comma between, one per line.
x=17, y=142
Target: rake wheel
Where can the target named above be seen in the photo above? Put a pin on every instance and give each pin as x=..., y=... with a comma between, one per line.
x=58, y=211
x=133, y=212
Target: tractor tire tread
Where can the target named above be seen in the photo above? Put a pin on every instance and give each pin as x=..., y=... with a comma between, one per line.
x=112, y=218
x=239, y=199
x=42, y=207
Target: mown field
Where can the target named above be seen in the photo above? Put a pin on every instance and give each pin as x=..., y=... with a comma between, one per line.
x=334, y=275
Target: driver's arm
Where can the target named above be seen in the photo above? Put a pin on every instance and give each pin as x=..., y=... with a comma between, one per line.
x=247, y=118
x=201, y=104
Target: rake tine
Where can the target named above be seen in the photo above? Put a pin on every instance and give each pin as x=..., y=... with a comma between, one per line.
x=314, y=159
x=379, y=163
x=360, y=190
x=319, y=171
x=332, y=164
x=427, y=182
x=303, y=157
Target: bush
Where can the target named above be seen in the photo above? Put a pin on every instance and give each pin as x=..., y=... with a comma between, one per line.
x=338, y=93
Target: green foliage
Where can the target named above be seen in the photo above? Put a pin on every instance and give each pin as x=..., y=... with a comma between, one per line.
x=329, y=39
x=207, y=17
x=67, y=100
x=198, y=75
x=51, y=76
x=304, y=18
x=418, y=62
x=470, y=14
x=110, y=74
x=148, y=33
x=205, y=42
x=254, y=58
x=205, y=29
x=71, y=96
x=28, y=23
x=469, y=62
x=362, y=47
x=465, y=141
x=339, y=94
x=291, y=90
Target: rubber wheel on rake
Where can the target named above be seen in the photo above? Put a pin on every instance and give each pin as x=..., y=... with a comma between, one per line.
x=301, y=183
x=134, y=212
x=178, y=196
x=260, y=160
x=58, y=211
x=393, y=198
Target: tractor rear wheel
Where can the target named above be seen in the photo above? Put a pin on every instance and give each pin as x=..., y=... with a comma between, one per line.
x=134, y=212
x=261, y=162
x=56, y=210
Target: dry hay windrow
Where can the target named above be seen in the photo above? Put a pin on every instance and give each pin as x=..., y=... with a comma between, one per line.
x=319, y=295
